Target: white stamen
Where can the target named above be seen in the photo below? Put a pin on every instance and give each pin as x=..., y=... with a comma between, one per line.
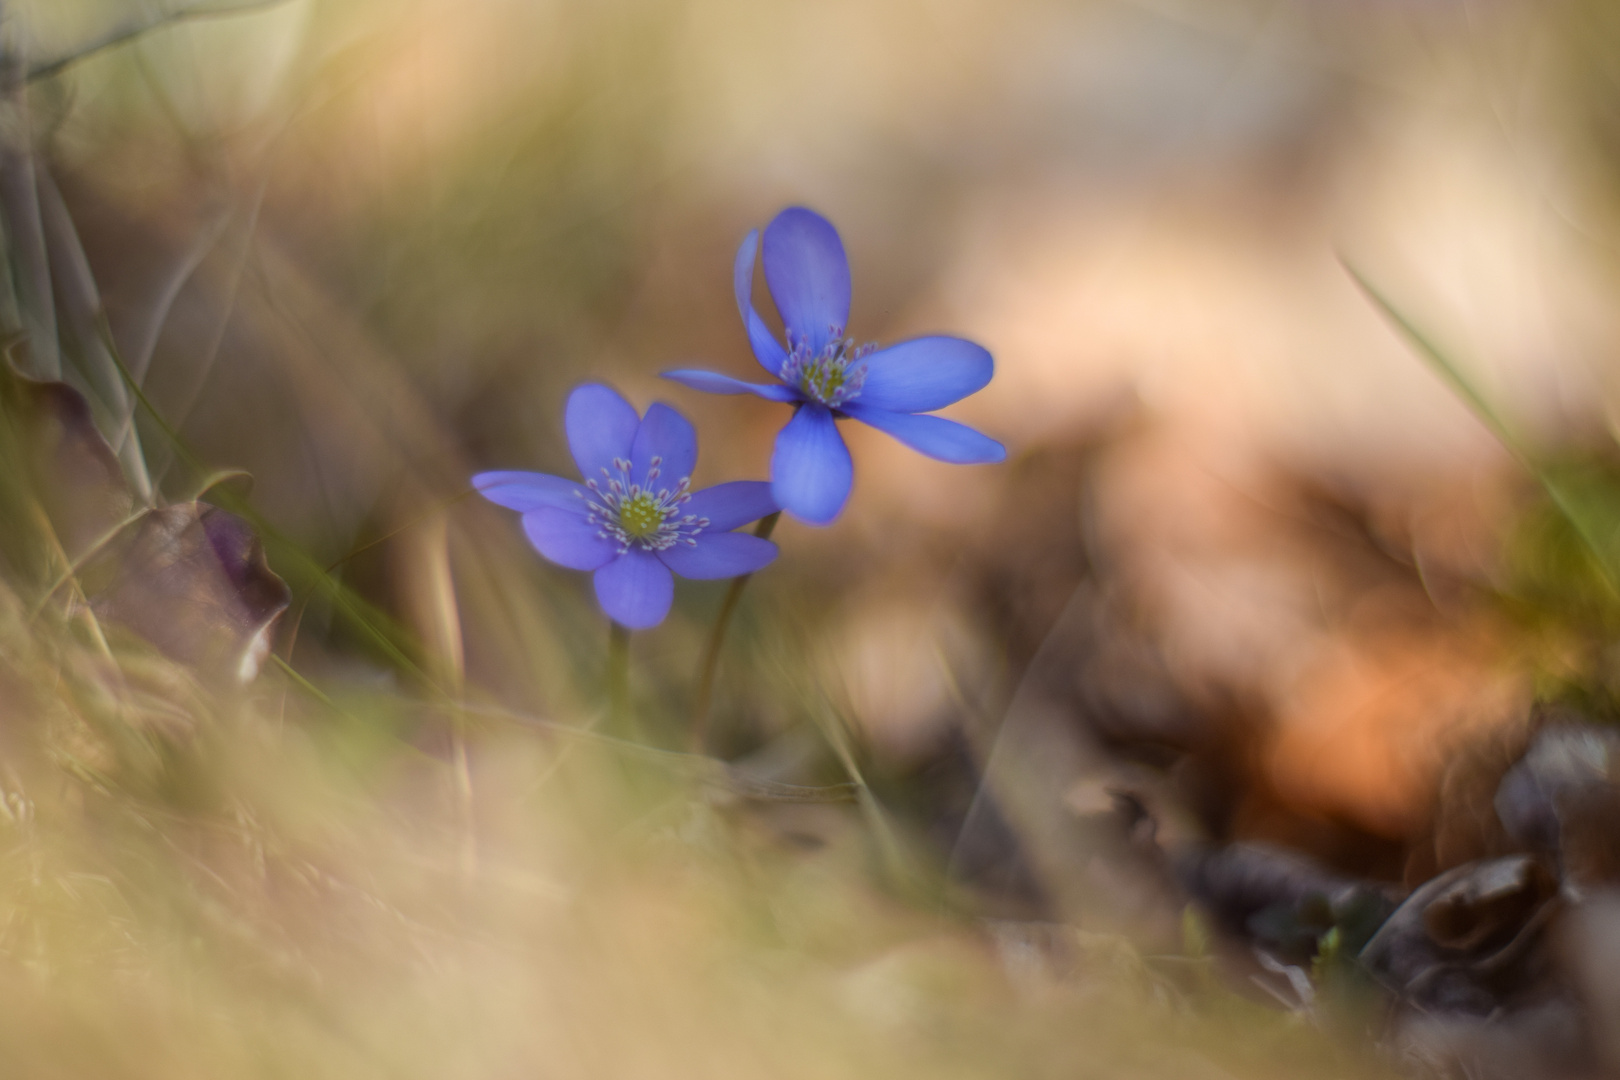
x=646, y=517
x=831, y=376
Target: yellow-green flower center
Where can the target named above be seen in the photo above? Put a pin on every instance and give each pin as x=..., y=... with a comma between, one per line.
x=824, y=380
x=833, y=375
x=640, y=515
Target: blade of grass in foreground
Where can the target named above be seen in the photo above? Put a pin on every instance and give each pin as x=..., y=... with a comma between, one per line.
x=1558, y=492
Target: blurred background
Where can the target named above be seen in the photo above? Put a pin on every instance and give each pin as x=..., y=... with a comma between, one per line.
x=362, y=251
x=1250, y=547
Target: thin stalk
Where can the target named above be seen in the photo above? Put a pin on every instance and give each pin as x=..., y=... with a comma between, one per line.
x=717, y=637
x=618, y=678
x=1590, y=532
x=465, y=807
x=439, y=615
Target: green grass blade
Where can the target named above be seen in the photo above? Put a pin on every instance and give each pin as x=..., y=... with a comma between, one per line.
x=1602, y=547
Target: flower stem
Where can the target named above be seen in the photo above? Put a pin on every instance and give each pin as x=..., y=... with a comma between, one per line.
x=711, y=655
x=618, y=678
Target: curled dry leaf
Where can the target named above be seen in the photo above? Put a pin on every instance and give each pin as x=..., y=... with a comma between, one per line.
x=192, y=579
x=1470, y=941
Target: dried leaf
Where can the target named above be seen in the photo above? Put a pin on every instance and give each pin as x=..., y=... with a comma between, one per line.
x=192, y=579
x=1561, y=799
x=1283, y=902
x=1471, y=940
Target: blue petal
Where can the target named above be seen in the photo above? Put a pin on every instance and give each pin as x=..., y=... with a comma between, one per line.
x=730, y=505
x=568, y=539
x=712, y=382
x=529, y=491
x=668, y=436
x=719, y=555
x=601, y=426
x=635, y=589
x=925, y=374
x=811, y=472
x=767, y=350
x=808, y=275
x=932, y=435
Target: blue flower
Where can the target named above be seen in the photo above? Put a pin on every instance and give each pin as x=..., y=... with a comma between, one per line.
x=826, y=377
x=636, y=517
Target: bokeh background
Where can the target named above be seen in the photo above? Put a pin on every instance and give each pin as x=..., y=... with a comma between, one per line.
x=1248, y=539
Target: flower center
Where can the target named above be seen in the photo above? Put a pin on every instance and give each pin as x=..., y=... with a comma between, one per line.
x=648, y=517
x=640, y=515
x=831, y=376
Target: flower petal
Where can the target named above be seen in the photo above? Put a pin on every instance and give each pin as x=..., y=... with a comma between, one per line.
x=730, y=505
x=811, y=472
x=808, y=275
x=935, y=436
x=568, y=538
x=712, y=382
x=601, y=426
x=925, y=374
x=529, y=491
x=767, y=350
x=668, y=436
x=718, y=555
x=635, y=589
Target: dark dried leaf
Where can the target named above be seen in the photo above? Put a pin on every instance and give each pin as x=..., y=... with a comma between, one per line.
x=1561, y=799
x=190, y=578
x=193, y=580
x=1471, y=940
x=1486, y=908
x=1280, y=901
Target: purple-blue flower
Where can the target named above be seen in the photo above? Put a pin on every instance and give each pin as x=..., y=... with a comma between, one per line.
x=826, y=377
x=635, y=518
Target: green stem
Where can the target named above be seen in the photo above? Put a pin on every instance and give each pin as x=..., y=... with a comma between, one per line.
x=717, y=637
x=618, y=678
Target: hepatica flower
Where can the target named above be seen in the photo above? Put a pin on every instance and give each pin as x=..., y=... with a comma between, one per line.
x=635, y=519
x=827, y=377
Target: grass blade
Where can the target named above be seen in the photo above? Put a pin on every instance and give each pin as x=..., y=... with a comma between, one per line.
x=1591, y=533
